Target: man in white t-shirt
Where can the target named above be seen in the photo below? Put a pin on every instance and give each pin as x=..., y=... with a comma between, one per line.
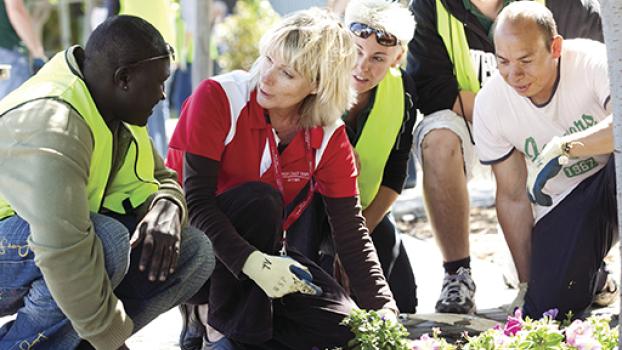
x=547, y=110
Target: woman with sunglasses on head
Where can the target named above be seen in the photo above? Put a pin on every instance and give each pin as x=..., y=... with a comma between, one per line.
x=380, y=125
x=255, y=152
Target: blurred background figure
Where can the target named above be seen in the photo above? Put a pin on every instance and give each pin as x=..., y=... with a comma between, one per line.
x=20, y=45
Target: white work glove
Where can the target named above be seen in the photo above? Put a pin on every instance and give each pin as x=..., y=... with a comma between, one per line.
x=519, y=300
x=278, y=276
x=546, y=166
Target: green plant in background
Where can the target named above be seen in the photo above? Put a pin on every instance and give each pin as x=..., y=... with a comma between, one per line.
x=240, y=33
x=372, y=332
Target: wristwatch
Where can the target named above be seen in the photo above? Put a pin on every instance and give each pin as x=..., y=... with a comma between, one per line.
x=565, y=147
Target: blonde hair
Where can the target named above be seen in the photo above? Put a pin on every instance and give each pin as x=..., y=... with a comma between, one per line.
x=389, y=17
x=317, y=46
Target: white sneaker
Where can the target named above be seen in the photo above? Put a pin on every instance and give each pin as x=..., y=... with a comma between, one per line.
x=458, y=293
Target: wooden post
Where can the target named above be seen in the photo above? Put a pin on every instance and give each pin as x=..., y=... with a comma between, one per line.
x=201, y=35
x=65, y=25
x=86, y=21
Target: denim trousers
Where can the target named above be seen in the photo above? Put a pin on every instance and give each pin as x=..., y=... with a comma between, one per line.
x=40, y=323
x=20, y=70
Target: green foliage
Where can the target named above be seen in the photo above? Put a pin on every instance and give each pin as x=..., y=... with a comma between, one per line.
x=543, y=334
x=547, y=334
x=372, y=332
x=603, y=333
x=240, y=33
x=487, y=340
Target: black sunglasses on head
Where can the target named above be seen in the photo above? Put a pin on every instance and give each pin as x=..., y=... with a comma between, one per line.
x=364, y=31
x=170, y=54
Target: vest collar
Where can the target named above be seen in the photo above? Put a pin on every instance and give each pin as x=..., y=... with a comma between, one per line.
x=70, y=58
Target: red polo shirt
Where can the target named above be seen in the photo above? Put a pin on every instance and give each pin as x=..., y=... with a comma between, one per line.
x=223, y=121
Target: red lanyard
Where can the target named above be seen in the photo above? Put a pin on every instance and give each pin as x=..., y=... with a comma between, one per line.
x=278, y=176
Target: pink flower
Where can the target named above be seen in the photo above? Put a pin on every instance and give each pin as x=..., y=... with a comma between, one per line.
x=514, y=323
x=580, y=335
x=587, y=343
x=425, y=342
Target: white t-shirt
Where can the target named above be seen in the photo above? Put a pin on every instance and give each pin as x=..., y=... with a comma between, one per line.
x=504, y=120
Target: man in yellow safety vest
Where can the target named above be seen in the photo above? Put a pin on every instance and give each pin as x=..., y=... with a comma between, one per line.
x=94, y=242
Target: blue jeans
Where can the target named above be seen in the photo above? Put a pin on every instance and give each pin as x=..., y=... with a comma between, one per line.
x=40, y=321
x=20, y=70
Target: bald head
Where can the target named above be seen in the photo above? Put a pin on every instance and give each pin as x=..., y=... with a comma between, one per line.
x=528, y=49
x=520, y=15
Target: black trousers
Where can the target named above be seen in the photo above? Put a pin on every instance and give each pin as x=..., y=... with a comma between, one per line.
x=569, y=244
x=395, y=264
x=393, y=258
x=240, y=310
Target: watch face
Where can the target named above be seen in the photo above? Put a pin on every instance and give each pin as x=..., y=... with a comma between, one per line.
x=5, y=71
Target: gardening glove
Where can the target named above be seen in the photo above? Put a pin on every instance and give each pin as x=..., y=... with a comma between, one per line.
x=519, y=300
x=278, y=276
x=546, y=166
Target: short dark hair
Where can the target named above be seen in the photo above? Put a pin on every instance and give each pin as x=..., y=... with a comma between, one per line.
x=533, y=12
x=123, y=39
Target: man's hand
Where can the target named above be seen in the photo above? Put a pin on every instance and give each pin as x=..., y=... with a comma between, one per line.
x=278, y=276
x=546, y=166
x=160, y=233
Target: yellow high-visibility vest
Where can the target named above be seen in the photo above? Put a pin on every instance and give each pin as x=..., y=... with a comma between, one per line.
x=134, y=183
x=454, y=38
x=379, y=134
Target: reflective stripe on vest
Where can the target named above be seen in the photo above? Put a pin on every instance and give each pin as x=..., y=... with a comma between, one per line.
x=134, y=182
x=454, y=38
x=379, y=134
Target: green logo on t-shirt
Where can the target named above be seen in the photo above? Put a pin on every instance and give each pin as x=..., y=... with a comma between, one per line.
x=580, y=167
x=586, y=121
x=532, y=150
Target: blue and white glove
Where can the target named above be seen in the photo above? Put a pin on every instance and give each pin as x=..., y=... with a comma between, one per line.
x=278, y=276
x=546, y=166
